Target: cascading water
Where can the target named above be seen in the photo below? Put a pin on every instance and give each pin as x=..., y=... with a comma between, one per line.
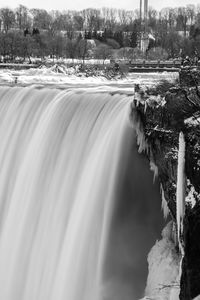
x=78, y=208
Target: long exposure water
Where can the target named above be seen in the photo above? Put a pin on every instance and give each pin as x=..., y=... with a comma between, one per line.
x=78, y=208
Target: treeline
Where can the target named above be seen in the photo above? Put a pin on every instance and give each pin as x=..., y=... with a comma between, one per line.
x=16, y=44
x=36, y=32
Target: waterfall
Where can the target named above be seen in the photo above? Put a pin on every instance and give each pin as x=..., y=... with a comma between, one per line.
x=78, y=208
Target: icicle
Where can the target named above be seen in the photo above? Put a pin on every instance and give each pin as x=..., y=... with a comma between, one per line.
x=154, y=169
x=180, y=189
x=137, y=124
x=164, y=205
x=145, y=106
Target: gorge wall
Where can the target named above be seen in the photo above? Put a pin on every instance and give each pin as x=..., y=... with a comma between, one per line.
x=164, y=112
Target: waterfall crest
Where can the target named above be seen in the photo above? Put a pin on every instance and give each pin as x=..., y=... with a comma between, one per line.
x=63, y=157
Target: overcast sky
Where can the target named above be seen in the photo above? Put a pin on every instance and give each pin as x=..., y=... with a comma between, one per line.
x=81, y=4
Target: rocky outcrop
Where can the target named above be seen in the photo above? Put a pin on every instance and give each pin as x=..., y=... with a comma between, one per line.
x=164, y=113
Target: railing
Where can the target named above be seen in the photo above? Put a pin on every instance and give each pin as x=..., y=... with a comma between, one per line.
x=151, y=66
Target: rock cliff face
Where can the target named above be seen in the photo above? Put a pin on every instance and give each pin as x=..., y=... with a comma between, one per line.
x=164, y=113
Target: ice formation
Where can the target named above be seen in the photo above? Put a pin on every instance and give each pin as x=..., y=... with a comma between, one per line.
x=180, y=192
x=138, y=127
x=164, y=261
x=164, y=205
x=154, y=169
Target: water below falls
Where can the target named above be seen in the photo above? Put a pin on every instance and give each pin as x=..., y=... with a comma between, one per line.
x=78, y=208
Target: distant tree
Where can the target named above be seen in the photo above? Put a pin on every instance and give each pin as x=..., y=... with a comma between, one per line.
x=194, y=31
x=172, y=44
x=26, y=32
x=134, y=39
x=94, y=35
x=188, y=46
x=26, y=49
x=14, y=44
x=71, y=48
x=126, y=53
x=41, y=45
x=8, y=18
x=110, y=18
x=182, y=19
x=123, y=18
x=118, y=36
x=56, y=45
x=41, y=19
x=83, y=48
x=92, y=19
x=112, y=43
x=196, y=45
x=103, y=52
x=152, y=18
x=157, y=53
x=35, y=31
x=78, y=22
x=22, y=17
x=191, y=13
x=3, y=44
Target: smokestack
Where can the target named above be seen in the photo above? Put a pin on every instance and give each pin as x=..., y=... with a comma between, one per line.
x=145, y=9
x=140, y=11
x=145, y=13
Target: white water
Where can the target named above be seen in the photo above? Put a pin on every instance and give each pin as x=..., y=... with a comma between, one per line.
x=63, y=157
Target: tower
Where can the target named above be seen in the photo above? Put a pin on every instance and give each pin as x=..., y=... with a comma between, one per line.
x=145, y=14
x=140, y=26
x=143, y=10
x=140, y=11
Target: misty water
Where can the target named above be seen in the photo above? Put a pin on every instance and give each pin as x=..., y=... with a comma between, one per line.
x=78, y=208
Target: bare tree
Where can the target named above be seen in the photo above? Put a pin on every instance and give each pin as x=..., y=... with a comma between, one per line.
x=91, y=18
x=191, y=13
x=152, y=18
x=8, y=18
x=78, y=22
x=22, y=17
x=103, y=52
x=182, y=18
x=41, y=18
x=110, y=17
x=71, y=48
x=123, y=17
x=83, y=49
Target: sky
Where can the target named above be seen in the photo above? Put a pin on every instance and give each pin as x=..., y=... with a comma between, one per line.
x=81, y=4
